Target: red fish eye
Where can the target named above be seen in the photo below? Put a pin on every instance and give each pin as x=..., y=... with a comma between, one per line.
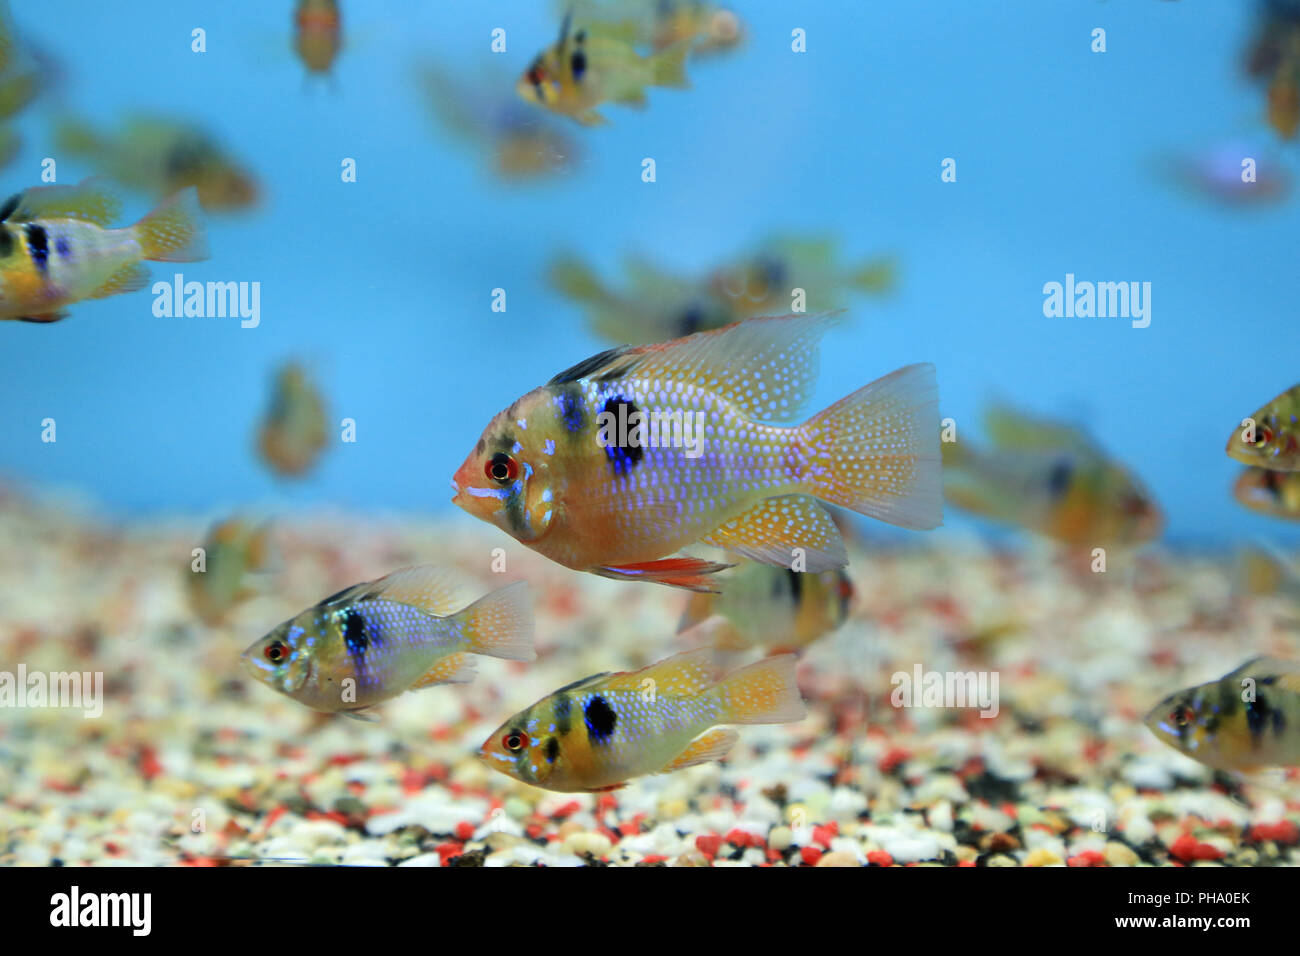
x=515, y=741
x=1263, y=436
x=1179, y=717
x=274, y=652
x=501, y=467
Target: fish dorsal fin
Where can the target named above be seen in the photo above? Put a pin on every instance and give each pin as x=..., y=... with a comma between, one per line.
x=1270, y=671
x=583, y=682
x=688, y=674
x=1010, y=429
x=91, y=200
x=600, y=362
x=431, y=589
x=766, y=366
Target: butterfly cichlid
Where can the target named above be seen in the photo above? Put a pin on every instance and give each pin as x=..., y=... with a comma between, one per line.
x=773, y=608
x=371, y=642
x=589, y=66
x=318, y=34
x=1051, y=479
x=598, y=733
x=1272, y=437
x=56, y=249
x=622, y=460
x=1246, y=721
x=1269, y=492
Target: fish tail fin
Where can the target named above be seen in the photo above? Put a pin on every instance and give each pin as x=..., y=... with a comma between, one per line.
x=174, y=231
x=668, y=67
x=765, y=692
x=500, y=624
x=876, y=451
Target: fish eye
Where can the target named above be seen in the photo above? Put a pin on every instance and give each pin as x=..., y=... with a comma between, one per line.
x=1180, y=717
x=276, y=652
x=501, y=467
x=515, y=741
x=1263, y=435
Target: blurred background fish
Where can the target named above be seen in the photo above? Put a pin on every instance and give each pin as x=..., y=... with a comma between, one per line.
x=1273, y=57
x=233, y=551
x=655, y=305
x=523, y=143
x=710, y=28
x=294, y=431
x=1273, y=440
x=1269, y=492
x=776, y=609
x=592, y=64
x=1216, y=174
x=1049, y=478
x=158, y=156
x=20, y=82
x=318, y=34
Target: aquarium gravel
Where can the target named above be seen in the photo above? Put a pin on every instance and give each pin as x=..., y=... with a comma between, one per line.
x=192, y=762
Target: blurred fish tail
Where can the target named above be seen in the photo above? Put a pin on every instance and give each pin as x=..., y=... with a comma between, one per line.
x=500, y=624
x=174, y=231
x=668, y=68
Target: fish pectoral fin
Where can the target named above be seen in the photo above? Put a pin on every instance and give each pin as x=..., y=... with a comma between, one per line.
x=590, y=118
x=452, y=669
x=711, y=746
x=771, y=531
x=634, y=96
x=689, y=573
x=367, y=714
x=127, y=279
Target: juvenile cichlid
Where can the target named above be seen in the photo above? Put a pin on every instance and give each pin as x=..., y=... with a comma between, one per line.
x=1247, y=720
x=1051, y=479
x=598, y=733
x=233, y=550
x=371, y=642
x=773, y=608
x=293, y=433
x=623, y=459
x=318, y=34
x=587, y=67
x=1272, y=493
x=1273, y=440
x=56, y=249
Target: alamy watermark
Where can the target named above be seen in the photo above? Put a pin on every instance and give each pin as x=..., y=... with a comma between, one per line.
x=630, y=427
x=1103, y=300
x=208, y=300
x=83, y=690
x=946, y=689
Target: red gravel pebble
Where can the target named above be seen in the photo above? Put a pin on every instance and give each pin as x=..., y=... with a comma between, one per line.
x=1187, y=848
x=811, y=855
x=449, y=850
x=708, y=844
x=880, y=858
x=1087, y=858
x=1284, y=831
x=464, y=830
x=893, y=758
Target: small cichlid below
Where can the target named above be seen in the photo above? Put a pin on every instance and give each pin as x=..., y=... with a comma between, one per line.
x=635, y=453
x=598, y=733
x=777, y=609
x=1245, y=721
x=1272, y=439
x=56, y=249
x=371, y=642
x=293, y=432
x=233, y=550
x=1269, y=492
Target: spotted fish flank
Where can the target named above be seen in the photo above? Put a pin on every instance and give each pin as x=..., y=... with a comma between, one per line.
x=655, y=720
x=1247, y=720
x=373, y=641
x=717, y=456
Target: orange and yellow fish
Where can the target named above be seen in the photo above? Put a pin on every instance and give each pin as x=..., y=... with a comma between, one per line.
x=776, y=609
x=371, y=642
x=589, y=66
x=1269, y=492
x=598, y=733
x=1270, y=437
x=56, y=249
x=293, y=433
x=635, y=453
x=318, y=33
x=1051, y=479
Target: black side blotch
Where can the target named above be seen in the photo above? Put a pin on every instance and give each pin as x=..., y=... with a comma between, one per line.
x=354, y=632
x=600, y=718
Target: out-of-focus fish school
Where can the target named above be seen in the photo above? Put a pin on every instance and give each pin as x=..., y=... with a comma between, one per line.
x=674, y=432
